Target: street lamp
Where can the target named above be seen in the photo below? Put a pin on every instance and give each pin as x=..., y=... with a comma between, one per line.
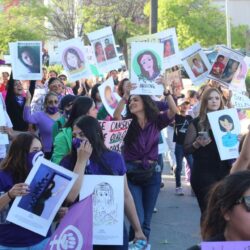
x=228, y=25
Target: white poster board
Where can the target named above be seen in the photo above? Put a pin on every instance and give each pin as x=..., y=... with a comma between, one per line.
x=74, y=59
x=108, y=207
x=49, y=186
x=195, y=63
x=38, y=100
x=225, y=125
x=146, y=66
x=4, y=139
x=26, y=60
x=104, y=47
x=226, y=65
x=109, y=97
x=240, y=101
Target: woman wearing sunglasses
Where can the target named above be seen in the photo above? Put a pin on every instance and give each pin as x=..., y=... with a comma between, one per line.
x=227, y=217
x=44, y=120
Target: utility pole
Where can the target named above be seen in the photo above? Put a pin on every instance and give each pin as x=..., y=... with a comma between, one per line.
x=153, y=16
x=228, y=25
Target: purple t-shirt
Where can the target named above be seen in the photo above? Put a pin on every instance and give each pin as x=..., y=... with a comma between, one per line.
x=145, y=147
x=12, y=235
x=44, y=124
x=112, y=160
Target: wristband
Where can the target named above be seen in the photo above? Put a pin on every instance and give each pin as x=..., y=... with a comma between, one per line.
x=166, y=93
x=8, y=193
x=125, y=100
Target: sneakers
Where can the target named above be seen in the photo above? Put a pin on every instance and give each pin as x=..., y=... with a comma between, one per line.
x=179, y=191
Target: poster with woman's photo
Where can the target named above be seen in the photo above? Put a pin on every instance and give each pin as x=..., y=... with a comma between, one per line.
x=74, y=59
x=26, y=59
x=109, y=97
x=108, y=207
x=195, y=63
x=104, y=47
x=146, y=67
x=171, y=55
x=49, y=185
x=227, y=66
x=225, y=125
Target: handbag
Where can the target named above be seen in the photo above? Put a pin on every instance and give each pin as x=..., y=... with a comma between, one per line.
x=139, y=175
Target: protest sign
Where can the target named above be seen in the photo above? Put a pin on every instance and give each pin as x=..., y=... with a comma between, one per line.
x=226, y=245
x=195, y=63
x=240, y=101
x=108, y=207
x=4, y=139
x=226, y=65
x=74, y=59
x=114, y=133
x=49, y=186
x=37, y=100
x=75, y=229
x=26, y=60
x=225, y=125
x=238, y=82
x=174, y=78
x=168, y=38
x=103, y=44
x=146, y=66
x=110, y=99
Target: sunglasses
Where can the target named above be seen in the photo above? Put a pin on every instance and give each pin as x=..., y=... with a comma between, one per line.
x=245, y=200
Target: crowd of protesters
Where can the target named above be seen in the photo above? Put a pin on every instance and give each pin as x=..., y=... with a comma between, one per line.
x=63, y=124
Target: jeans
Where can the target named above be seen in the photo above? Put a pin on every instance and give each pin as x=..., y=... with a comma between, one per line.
x=145, y=197
x=171, y=146
x=39, y=246
x=179, y=155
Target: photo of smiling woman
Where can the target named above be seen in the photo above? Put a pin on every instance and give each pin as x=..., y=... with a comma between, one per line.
x=29, y=56
x=148, y=64
x=73, y=60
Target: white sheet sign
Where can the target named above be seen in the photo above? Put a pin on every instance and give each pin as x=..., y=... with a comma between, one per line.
x=114, y=133
x=74, y=59
x=26, y=60
x=225, y=125
x=110, y=99
x=226, y=65
x=240, y=101
x=103, y=44
x=4, y=139
x=49, y=186
x=108, y=207
x=195, y=63
x=146, y=66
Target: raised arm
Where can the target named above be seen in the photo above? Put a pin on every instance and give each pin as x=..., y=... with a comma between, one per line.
x=27, y=116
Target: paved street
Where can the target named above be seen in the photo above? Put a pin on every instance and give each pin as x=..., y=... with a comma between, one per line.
x=176, y=224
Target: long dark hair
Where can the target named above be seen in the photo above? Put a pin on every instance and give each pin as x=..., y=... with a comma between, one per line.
x=93, y=131
x=94, y=91
x=222, y=198
x=16, y=160
x=151, y=113
x=80, y=107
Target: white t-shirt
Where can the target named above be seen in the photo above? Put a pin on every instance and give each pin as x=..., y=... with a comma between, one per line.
x=9, y=125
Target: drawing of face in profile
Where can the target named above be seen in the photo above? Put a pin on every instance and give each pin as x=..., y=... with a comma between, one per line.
x=72, y=59
x=99, y=52
x=104, y=209
x=148, y=64
x=110, y=97
x=168, y=47
x=30, y=58
x=227, y=125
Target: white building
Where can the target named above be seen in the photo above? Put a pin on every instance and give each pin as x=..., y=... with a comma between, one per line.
x=239, y=10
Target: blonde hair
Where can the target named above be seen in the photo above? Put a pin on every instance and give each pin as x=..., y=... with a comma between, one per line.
x=203, y=124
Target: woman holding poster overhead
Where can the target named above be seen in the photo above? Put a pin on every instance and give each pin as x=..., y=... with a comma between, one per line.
x=89, y=155
x=13, y=171
x=207, y=166
x=141, y=150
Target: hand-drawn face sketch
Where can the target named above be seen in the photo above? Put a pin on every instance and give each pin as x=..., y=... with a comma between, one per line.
x=104, y=206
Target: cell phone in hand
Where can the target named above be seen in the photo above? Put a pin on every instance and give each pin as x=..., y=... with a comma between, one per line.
x=204, y=135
